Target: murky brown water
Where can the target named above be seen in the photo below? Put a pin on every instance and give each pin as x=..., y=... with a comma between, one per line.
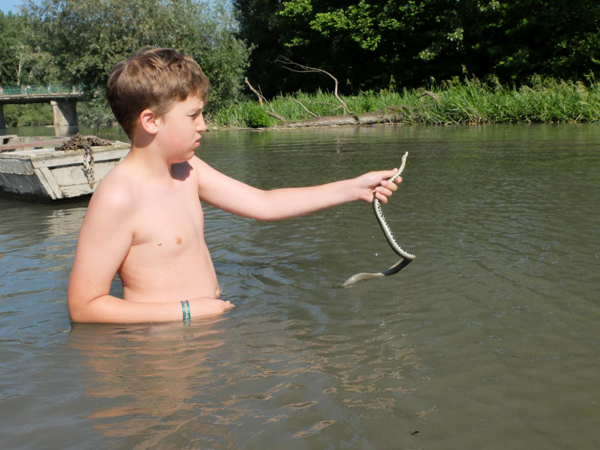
x=489, y=340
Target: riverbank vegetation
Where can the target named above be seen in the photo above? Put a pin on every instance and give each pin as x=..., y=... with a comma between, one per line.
x=28, y=115
x=467, y=101
x=433, y=61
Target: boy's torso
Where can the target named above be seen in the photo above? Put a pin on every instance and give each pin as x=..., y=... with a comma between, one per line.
x=168, y=259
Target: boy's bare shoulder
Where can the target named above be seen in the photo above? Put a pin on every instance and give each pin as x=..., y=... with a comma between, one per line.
x=203, y=169
x=115, y=193
x=197, y=163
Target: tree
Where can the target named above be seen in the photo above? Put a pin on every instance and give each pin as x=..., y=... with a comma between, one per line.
x=369, y=43
x=265, y=30
x=9, y=41
x=557, y=38
x=366, y=44
x=86, y=38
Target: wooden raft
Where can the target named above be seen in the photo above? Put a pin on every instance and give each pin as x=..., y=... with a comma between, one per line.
x=47, y=174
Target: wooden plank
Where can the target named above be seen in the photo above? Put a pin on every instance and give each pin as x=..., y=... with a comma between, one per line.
x=34, y=144
x=51, y=181
x=26, y=185
x=77, y=190
x=29, y=153
x=5, y=138
x=46, y=184
x=16, y=165
x=74, y=175
x=71, y=158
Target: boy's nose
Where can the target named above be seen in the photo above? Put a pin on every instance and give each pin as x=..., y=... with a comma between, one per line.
x=201, y=125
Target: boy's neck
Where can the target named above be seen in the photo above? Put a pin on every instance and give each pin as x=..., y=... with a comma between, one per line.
x=146, y=157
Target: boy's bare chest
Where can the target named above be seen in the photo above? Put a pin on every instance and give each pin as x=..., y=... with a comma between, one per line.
x=169, y=223
x=168, y=257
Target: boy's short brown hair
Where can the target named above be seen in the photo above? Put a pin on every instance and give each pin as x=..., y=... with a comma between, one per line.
x=152, y=78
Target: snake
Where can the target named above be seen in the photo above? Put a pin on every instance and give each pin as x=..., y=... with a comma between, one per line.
x=406, y=258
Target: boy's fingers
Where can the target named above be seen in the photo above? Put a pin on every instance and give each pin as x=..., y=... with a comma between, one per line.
x=389, y=185
x=383, y=191
x=382, y=198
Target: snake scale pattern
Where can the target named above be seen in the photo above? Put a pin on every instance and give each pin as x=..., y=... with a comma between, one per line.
x=406, y=258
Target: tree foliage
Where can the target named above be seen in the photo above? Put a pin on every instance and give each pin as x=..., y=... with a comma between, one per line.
x=84, y=39
x=371, y=44
x=12, y=61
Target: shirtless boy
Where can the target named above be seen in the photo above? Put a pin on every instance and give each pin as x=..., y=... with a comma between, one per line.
x=145, y=220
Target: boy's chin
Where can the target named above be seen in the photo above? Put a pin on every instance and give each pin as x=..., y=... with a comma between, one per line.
x=184, y=159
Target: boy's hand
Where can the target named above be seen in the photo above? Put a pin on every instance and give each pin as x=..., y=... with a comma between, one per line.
x=208, y=307
x=375, y=184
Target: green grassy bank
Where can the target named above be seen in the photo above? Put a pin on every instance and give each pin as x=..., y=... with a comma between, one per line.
x=452, y=102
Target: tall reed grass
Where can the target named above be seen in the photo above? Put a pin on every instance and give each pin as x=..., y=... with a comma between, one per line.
x=457, y=101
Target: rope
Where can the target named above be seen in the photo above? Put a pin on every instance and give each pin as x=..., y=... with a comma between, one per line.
x=88, y=164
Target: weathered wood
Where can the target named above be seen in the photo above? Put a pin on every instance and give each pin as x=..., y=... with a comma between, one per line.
x=77, y=190
x=16, y=166
x=373, y=119
x=50, y=175
x=53, y=191
x=33, y=144
x=25, y=186
x=322, y=122
x=6, y=138
x=390, y=114
x=52, y=181
x=58, y=158
x=75, y=175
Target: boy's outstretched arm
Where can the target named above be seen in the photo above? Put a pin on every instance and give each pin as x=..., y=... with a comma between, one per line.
x=233, y=196
x=104, y=241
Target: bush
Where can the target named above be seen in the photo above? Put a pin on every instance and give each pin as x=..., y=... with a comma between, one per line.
x=257, y=117
x=28, y=115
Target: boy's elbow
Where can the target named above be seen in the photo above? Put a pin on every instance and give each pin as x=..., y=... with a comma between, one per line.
x=79, y=308
x=76, y=310
x=76, y=317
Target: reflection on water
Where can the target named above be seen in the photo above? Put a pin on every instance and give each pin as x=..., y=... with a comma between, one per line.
x=488, y=340
x=143, y=379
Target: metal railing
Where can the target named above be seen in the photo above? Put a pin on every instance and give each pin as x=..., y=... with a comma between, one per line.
x=40, y=90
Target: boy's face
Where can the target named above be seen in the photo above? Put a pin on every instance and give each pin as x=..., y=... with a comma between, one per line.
x=179, y=129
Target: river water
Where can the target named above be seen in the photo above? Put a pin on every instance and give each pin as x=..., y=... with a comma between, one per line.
x=488, y=340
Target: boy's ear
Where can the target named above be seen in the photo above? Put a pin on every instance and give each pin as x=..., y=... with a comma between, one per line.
x=148, y=121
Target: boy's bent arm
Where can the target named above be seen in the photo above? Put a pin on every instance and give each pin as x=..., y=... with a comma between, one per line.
x=104, y=241
x=233, y=196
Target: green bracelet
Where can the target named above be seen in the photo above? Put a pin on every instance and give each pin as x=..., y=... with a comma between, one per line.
x=185, y=306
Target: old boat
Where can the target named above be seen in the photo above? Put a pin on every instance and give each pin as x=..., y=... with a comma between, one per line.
x=41, y=172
